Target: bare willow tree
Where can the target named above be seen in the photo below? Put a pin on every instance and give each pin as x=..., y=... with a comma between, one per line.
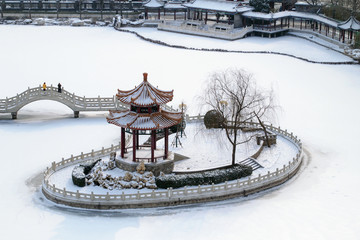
x=233, y=93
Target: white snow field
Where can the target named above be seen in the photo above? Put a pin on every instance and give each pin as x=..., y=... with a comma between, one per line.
x=318, y=102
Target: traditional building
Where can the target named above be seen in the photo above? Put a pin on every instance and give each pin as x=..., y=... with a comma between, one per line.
x=145, y=116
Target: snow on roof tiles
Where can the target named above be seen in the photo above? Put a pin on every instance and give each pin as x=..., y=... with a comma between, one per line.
x=153, y=4
x=284, y=14
x=350, y=24
x=145, y=95
x=149, y=121
x=218, y=5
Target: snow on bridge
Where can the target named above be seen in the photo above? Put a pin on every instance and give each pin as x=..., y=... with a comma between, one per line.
x=76, y=103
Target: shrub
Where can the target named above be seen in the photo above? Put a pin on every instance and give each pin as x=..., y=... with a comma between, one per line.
x=79, y=172
x=203, y=178
x=213, y=119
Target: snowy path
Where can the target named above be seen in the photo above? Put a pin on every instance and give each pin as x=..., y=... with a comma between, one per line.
x=316, y=103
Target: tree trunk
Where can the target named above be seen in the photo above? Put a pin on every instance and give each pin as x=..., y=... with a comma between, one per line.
x=234, y=147
x=264, y=129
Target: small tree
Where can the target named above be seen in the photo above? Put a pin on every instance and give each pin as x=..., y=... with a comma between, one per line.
x=260, y=5
x=235, y=96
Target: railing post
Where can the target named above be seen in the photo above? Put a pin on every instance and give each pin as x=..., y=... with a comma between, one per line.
x=92, y=196
x=277, y=171
x=77, y=194
x=107, y=196
x=199, y=189
x=123, y=196
x=64, y=192
x=72, y=158
x=82, y=155
x=92, y=152
x=153, y=193
x=99, y=100
x=226, y=185
x=185, y=190
x=138, y=195
x=102, y=151
x=53, y=166
x=84, y=101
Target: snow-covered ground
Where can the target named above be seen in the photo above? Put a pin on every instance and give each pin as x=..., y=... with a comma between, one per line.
x=319, y=104
x=286, y=44
x=204, y=149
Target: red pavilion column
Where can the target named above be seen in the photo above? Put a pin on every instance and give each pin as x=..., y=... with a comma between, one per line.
x=166, y=143
x=153, y=146
x=134, y=145
x=122, y=142
x=137, y=139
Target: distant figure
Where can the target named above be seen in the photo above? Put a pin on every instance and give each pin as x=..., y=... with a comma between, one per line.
x=44, y=86
x=59, y=88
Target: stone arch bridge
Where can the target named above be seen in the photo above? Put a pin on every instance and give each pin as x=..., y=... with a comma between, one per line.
x=76, y=103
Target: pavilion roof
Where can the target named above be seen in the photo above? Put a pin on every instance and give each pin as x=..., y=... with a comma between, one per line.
x=153, y=4
x=350, y=24
x=144, y=121
x=285, y=14
x=145, y=95
x=218, y=6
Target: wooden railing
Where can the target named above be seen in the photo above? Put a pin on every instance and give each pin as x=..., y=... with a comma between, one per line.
x=157, y=196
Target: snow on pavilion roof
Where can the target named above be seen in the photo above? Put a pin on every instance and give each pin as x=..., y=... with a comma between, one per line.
x=153, y=4
x=350, y=24
x=144, y=121
x=145, y=95
x=174, y=5
x=219, y=6
x=285, y=14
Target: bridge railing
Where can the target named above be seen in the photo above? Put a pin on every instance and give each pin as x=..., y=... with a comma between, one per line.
x=73, y=101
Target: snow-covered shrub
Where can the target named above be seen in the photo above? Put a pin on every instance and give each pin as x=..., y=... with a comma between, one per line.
x=203, y=178
x=213, y=119
x=79, y=172
x=78, y=176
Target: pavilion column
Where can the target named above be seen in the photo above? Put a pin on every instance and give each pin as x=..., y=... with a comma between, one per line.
x=134, y=145
x=122, y=142
x=293, y=22
x=137, y=139
x=320, y=28
x=153, y=140
x=281, y=23
x=300, y=24
x=174, y=14
x=166, y=143
x=288, y=22
x=159, y=13
x=206, y=17
x=146, y=13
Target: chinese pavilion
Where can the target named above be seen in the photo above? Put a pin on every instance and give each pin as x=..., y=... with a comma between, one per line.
x=145, y=116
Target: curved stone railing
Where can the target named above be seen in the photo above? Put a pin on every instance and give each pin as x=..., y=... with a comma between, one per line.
x=76, y=103
x=170, y=196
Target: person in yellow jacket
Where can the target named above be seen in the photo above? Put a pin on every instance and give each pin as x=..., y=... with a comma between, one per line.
x=44, y=86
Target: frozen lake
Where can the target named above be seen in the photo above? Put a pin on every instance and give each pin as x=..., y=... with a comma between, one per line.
x=318, y=102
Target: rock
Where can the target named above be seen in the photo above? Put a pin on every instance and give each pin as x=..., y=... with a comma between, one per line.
x=134, y=184
x=128, y=177
x=77, y=23
x=39, y=22
x=151, y=186
x=141, y=168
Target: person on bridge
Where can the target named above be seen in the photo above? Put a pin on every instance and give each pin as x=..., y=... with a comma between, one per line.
x=59, y=88
x=44, y=86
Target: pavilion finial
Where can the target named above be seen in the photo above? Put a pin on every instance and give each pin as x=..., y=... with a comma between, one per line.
x=145, y=77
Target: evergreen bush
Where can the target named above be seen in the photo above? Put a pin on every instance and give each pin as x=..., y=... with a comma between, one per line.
x=213, y=119
x=203, y=178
